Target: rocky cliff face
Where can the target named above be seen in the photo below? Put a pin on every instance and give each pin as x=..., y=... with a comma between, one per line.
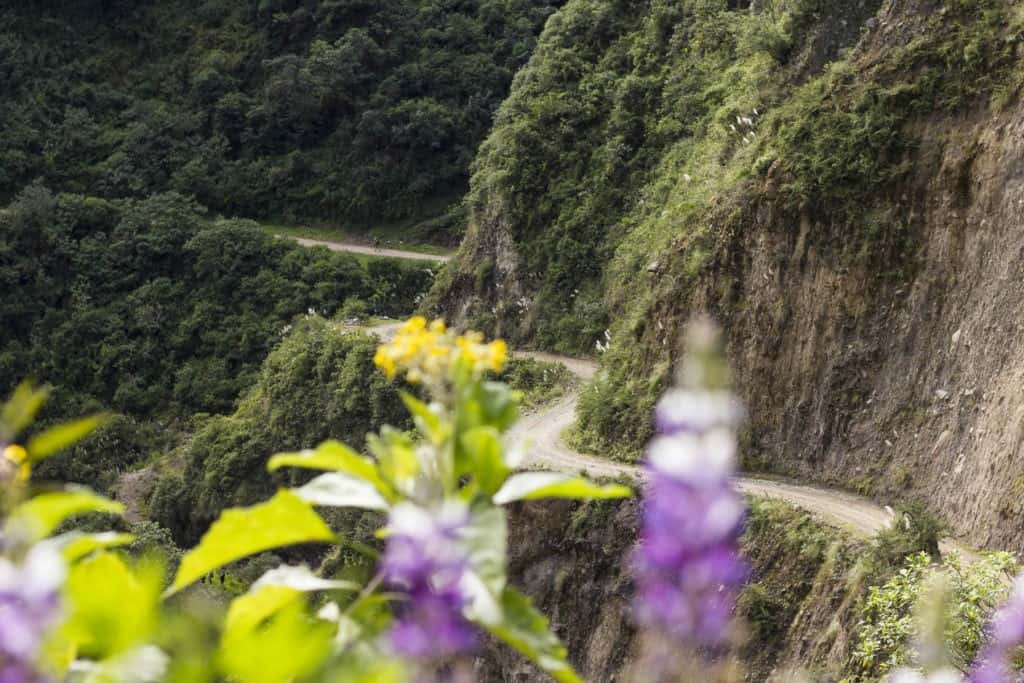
x=840, y=184
x=573, y=561
x=909, y=387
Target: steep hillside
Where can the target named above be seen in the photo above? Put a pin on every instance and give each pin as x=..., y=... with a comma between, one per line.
x=318, y=384
x=338, y=111
x=838, y=183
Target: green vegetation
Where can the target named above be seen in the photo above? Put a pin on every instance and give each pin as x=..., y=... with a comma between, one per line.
x=914, y=531
x=794, y=561
x=123, y=443
x=540, y=381
x=970, y=592
x=89, y=603
x=346, y=112
x=319, y=383
x=147, y=307
x=150, y=309
x=851, y=610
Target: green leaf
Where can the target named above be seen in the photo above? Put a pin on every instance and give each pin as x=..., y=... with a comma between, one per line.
x=526, y=629
x=485, y=540
x=286, y=645
x=336, y=489
x=248, y=611
x=300, y=578
x=21, y=409
x=535, y=485
x=482, y=455
x=44, y=513
x=74, y=545
x=112, y=607
x=427, y=421
x=361, y=623
x=500, y=405
x=337, y=457
x=374, y=667
x=396, y=454
x=56, y=439
x=283, y=520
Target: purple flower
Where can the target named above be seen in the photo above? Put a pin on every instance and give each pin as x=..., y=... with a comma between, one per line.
x=424, y=559
x=29, y=608
x=687, y=566
x=1006, y=632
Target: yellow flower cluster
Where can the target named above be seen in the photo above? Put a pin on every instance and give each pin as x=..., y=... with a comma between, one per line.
x=16, y=455
x=482, y=356
x=426, y=351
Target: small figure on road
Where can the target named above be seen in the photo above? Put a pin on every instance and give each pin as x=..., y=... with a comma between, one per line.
x=376, y=244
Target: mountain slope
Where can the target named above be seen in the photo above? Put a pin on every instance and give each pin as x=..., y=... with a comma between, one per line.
x=838, y=183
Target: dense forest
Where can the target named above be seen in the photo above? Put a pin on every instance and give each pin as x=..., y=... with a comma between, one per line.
x=136, y=139
x=150, y=309
x=344, y=112
x=148, y=306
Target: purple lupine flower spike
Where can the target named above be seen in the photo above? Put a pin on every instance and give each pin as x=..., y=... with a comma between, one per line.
x=424, y=560
x=1006, y=633
x=29, y=608
x=687, y=565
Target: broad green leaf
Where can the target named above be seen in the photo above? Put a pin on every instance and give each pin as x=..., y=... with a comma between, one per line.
x=526, y=629
x=56, y=439
x=482, y=604
x=74, y=545
x=534, y=485
x=248, y=611
x=112, y=608
x=427, y=421
x=300, y=578
x=21, y=409
x=283, y=520
x=336, y=489
x=485, y=540
x=287, y=646
x=45, y=512
x=482, y=456
x=397, y=458
x=333, y=456
x=499, y=403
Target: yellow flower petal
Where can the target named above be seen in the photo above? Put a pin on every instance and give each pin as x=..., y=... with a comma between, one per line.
x=15, y=454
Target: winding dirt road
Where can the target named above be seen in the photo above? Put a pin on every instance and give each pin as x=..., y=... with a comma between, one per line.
x=543, y=429
x=354, y=248
x=541, y=433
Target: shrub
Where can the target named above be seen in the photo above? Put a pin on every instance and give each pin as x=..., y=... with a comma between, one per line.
x=913, y=531
x=225, y=462
x=540, y=381
x=889, y=614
